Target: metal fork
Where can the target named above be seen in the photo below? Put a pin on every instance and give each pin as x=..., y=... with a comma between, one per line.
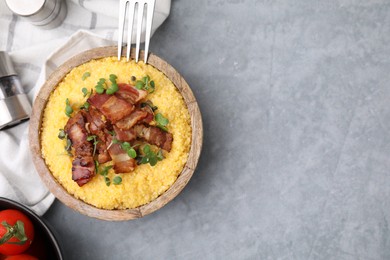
x=132, y=5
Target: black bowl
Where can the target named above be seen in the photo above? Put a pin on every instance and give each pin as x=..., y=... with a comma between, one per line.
x=46, y=245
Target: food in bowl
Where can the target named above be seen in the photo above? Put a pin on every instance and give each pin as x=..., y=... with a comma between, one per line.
x=115, y=134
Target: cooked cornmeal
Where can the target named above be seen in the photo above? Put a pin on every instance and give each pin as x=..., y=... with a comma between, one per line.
x=146, y=182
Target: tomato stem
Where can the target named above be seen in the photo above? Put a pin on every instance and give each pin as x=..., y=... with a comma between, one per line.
x=16, y=231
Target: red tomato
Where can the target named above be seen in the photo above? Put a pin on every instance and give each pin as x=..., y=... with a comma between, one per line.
x=21, y=257
x=16, y=230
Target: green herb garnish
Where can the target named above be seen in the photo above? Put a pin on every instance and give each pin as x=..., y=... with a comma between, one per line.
x=95, y=142
x=62, y=135
x=104, y=173
x=161, y=121
x=160, y=155
x=149, y=103
x=150, y=156
x=126, y=146
x=117, y=180
x=85, y=106
x=114, y=86
x=145, y=84
x=112, y=133
x=68, y=108
x=100, y=86
x=68, y=146
x=85, y=76
x=96, y=166
x=85, y=91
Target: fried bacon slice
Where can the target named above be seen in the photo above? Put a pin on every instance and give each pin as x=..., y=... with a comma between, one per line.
x=132, y=119
x=125, y=135
x=98, y=100
x=97, y=126
x=154, y=135
x=75, y=128
x=111, y=106
x=94, y=120
x=130, y=93
x=83, y=165
x=150, y=114
x=102, y=154
x=83, y=169
x=123, y=163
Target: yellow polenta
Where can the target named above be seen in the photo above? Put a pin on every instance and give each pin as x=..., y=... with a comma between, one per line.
x=147, y=182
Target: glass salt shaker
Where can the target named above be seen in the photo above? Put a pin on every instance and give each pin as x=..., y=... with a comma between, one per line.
x=14, y=104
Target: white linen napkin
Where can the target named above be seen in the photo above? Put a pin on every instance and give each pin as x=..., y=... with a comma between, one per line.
x=18, y=178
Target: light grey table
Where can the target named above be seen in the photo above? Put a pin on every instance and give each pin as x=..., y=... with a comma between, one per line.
x=295, y=97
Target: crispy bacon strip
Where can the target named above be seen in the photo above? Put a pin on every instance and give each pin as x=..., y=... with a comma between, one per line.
x=97, y=100
x=102, y=154
x=83, y=165
x=150, y=114
x=123, y=163
x=95, y=120
x=83, y=169
x=154, y=135
x=97, y=126
x=130, y=94
x=131, y=120
x=75, y=128
x=125, y=135
x=111, y=106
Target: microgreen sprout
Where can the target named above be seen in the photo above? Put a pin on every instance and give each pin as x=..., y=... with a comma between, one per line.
x=161, y=121
x=68, y=108
x=126, y=146
x=150, y=156
x=63, y=135
x=114, y=86
x=96, y=166
x=86, y=75
x=95, y=142
x=104, y=172
x=149, y=103
x=100, y=86
x=145, y=84
x=85, y=106
x=85, y=91
x=117, y=180
x=160, y=155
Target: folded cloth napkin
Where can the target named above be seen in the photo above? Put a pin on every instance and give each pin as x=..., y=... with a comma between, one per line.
x=18, y=178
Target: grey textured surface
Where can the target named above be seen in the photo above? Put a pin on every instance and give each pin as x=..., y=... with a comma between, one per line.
x=295, y=102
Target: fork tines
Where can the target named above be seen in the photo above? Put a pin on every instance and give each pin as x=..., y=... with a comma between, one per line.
x=132, y=6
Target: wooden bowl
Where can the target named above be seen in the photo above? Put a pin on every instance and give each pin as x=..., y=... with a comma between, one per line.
x=58, y=190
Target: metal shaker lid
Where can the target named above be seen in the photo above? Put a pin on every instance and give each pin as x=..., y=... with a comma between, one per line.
x=6, y=66
x=25, y=7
